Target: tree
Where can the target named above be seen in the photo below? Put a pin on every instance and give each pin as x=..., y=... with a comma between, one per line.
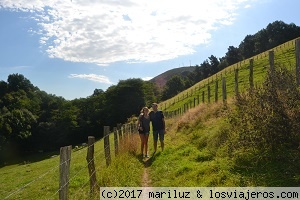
x=214, y=63
x=124, y=100
x=19, y=82
x=3, y=89
x=279, y=32
x=233, y=55
x=247, y=47
x=16, y=128
x=97, y=92
x=173, y=87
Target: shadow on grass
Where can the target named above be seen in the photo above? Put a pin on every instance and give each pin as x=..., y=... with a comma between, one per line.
x=272, y=174
x=29, y=158
x=147, y=161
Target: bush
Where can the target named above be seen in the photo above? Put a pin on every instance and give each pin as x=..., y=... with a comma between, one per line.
x=265, y=123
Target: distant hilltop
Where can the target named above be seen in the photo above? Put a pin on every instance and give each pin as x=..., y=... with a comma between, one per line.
x=162, y=79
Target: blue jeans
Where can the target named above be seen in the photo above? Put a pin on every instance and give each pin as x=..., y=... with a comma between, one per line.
x=160, y=133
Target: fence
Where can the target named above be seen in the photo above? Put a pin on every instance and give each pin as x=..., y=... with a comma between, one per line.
x=121, y=136
x=68, y=169
x=235, y=78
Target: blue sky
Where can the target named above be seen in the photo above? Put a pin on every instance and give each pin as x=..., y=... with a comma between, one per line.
x=70, y=48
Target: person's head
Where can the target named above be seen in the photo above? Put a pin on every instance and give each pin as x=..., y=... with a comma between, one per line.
x=154, y=106
x=145, y=110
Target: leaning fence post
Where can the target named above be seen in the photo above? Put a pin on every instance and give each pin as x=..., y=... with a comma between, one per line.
x=224, y=90
x=119, y=127
x=64, y=169
x=271, y=61
x=208, y=93
x=91, y=164
x=251, y=70
x=236, y=81
x=106, y=145
x=116, y=141
x=216, y=90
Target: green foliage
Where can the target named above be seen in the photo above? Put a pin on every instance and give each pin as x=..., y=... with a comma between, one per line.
x=32, y=120
x=126, y=99
x=173, y=87
x=265, y=124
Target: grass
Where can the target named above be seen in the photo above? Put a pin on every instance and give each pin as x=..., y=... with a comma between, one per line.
x=197, y=155
x=40, y=179
x=192, y=162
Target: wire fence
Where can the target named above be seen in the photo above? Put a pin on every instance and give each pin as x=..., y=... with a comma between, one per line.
x=78, y=179
x=235, y=79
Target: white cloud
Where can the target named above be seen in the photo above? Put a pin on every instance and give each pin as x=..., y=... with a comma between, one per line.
x=147, y=78
x=92, y=77
x=107, y=31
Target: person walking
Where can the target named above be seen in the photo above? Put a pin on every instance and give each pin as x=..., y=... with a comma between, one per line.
x=144, y=130
x=158, y=126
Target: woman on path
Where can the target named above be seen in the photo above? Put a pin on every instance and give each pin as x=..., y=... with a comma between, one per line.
x=144, y=129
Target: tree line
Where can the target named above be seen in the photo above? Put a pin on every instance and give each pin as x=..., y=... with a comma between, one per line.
x=273, y=35
x=32, y=120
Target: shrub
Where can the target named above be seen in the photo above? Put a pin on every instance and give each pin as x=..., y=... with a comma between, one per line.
x=265, y=123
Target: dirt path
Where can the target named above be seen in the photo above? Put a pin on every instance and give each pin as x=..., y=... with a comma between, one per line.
x=146, y=181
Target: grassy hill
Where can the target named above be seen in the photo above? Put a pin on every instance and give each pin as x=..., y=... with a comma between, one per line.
x=162, y=79
x=284, y=55
x=197, y=152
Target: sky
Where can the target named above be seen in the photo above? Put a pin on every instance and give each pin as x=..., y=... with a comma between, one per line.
x=69, y=48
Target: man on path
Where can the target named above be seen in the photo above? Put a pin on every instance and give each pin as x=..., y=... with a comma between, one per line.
x=158, y=126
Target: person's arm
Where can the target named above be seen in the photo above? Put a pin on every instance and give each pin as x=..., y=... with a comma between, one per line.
x=140, y=123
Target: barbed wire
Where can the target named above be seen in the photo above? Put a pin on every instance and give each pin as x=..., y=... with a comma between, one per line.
x=93, y=159
x=31, y=182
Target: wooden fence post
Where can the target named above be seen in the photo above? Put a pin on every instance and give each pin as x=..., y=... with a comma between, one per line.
x=224, y=92
x=106, y=145
x=271, y=61
x=297, y=46
x=236, y=81
x=216, y=90
x=64, y=169
x=91, y=164
x=251, y=72
x=116, y=141
x=208, y=93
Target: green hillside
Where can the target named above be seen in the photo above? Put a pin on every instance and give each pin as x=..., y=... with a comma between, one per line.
x=283, y=55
